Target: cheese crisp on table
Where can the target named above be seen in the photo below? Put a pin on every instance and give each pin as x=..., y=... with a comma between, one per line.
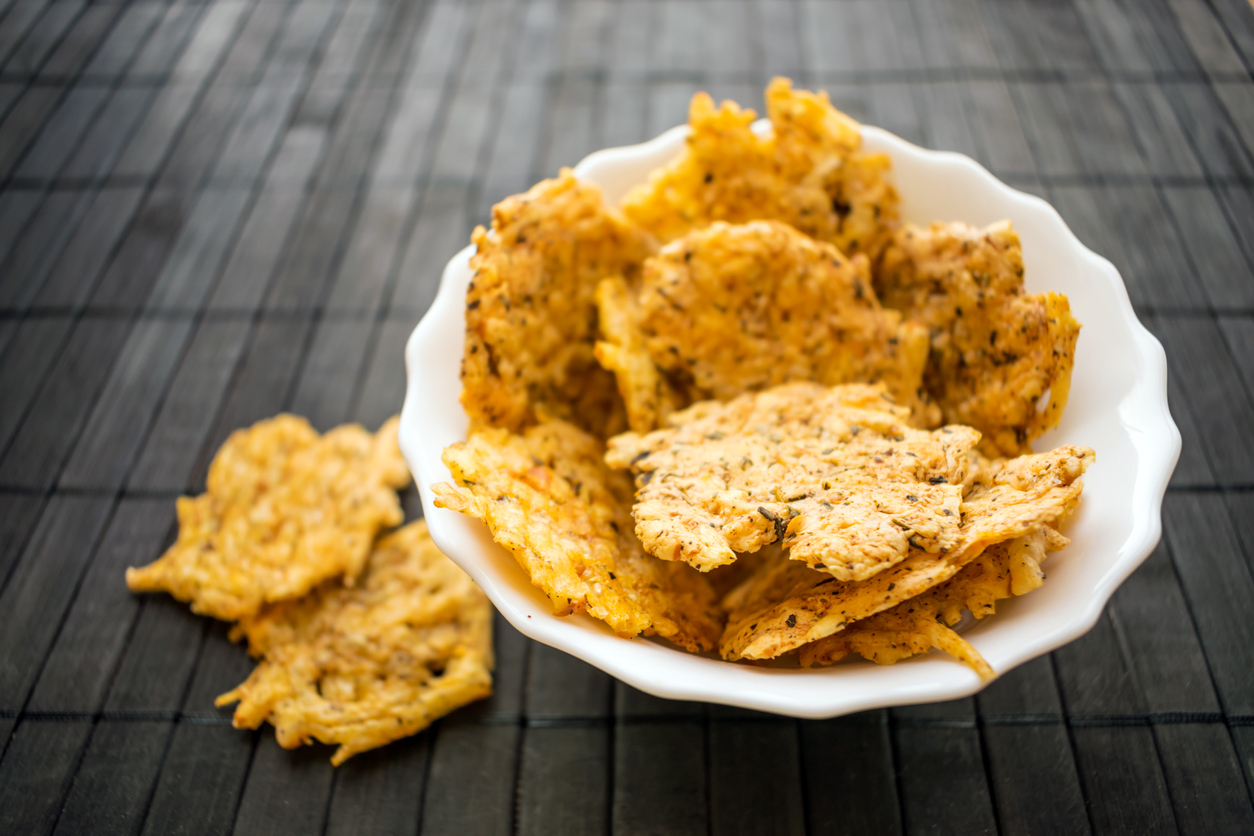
x=365, y=665
x=285, y=510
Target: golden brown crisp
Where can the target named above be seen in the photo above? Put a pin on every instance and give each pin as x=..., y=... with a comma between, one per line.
x=786, y=604
x=736, y=308
x=363, y=666
x=834, y=474
x=809, y=172
x=925, y=621
x=285, y=510
x=531, y=308
x=648, y=396
x=548, y=497
x=995, y=349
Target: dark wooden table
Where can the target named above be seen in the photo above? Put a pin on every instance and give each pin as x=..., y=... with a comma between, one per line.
x=212, y=212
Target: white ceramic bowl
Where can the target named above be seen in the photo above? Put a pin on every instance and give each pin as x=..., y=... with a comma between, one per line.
x=1118, y=406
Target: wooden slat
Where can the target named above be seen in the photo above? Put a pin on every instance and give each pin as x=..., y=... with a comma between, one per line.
x=118, y=425
x=1215, y=398
x=942, y=778
x=200, y=782
x=659, y=778
x=1122, y=780
x=766, y=799
x=167, y=41
x=1212, y=246
x=1156, y=629
x=36, y=772
x=41, y=588
x=1216, y=578
x=82, y=41
x=332, y=368
x=1215, y=139
x=1208, y=792
x=124, y=39
x=18, y=515
x=71, y=279
x=561, y=686
x=193, y=265
x=383, y=388
x=563, y=782
x=42, y=240
x=43, y=37
x=286, y=791
x=478, y=758
x=188, y=411
x=849, y=774
x=34, y=348
x=160, y=656
x=380, y=791
x=115, y=779
x=80, y=665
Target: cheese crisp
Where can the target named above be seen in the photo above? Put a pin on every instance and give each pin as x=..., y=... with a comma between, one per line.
x=285, y=510
x=808, y=172
x=365, y=665
x=548, y=498
x=786, y=605
x=531, y=307
x=925, y=621
x=995, y=349
x=737, y=308
x=834, y=474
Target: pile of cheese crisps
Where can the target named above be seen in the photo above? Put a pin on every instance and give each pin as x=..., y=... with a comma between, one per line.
x=750, y=410
x=364, y=635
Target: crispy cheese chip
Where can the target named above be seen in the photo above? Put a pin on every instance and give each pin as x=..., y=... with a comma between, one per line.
x=786, y=604
x=365, y=665
x=925, y=621
x=810, y=172
x=549, y=498
x=834, y=474
x=735, y=308
x=285, y=510
x=995, y=349
x=531, y=308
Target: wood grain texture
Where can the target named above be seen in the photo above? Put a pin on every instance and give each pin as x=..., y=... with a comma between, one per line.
x=211, y=212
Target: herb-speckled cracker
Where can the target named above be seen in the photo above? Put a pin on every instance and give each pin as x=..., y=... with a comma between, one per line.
x=925, y=621
x=531, y=307
x=365, y=665
x=786, y=604
x=285, y=510
x=549, y=498
x=810, y=172
x=996, y=350
x=835, y=474
x=737, y=308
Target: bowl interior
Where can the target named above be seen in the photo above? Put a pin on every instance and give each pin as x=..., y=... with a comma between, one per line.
x=1117, y=406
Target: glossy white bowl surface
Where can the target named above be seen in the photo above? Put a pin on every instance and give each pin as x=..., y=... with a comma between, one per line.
x=1118, y=406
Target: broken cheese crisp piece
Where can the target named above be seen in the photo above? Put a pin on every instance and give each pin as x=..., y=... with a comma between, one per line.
x=925, y=621
x=531, y=308
x=996, y=350
x=786, y=605
x=285, y=510
x=365, y=665
x=834, y=474
x=810, y=173
x=548, y=497
x=735, y=308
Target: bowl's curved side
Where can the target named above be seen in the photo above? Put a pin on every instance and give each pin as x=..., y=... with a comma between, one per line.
x=1143, y=442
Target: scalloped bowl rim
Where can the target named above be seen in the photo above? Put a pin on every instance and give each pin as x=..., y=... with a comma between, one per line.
x=1113, y=346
